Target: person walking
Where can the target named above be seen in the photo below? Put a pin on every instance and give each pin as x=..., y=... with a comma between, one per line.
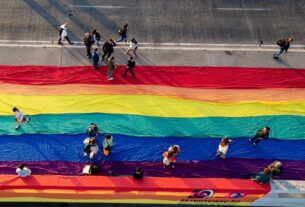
x=63, y=34
x=111, y=67
x=133, y=46
x=261, y=134
x=95, y=58
x=123, y=33
x=284, y=46
x=19, y=117
x=88, y=41
x=129, y=67
x=107, y=144
x=108, y=48
x=96, y=37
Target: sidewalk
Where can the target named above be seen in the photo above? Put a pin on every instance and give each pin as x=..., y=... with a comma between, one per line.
x=183, y=55
x=284, y=193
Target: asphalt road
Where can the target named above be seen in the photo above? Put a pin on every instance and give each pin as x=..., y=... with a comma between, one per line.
x=157, y=21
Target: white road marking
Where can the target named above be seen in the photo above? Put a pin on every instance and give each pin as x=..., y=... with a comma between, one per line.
x=157, y=46
x=243, y=9
x=97, y=6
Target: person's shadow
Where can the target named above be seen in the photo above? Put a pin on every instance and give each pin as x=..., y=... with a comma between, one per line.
x=283, y=63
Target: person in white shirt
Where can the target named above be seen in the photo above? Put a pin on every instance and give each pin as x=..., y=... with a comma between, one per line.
x=90, y=147
x=63, y=34
x=23, y=171
x=133, y=46
x=91, y=169
x=223, y=148
x=19, y=117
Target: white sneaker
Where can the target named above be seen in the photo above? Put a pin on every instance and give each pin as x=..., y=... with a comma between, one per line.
x=110, y=78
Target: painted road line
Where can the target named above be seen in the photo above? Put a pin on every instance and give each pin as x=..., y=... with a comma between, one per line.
x=97, y=6
x=156, y=44
x=243, y=9
x=261, y=49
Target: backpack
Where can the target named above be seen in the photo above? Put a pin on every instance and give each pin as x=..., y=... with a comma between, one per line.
x=280, y=42
x=97, y=36
x=60, y=31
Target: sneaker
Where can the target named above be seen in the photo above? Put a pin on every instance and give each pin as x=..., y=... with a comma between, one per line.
x=72, y=43
x=59, y=43
x=17, y=127
x=111, y=78
x=249, y=140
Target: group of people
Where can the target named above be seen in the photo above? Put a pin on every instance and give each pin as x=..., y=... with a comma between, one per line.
x=223, y=146
x=91, y=148
x=108, y=48
x=272, y=170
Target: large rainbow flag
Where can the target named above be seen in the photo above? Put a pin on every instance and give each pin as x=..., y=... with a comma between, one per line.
x=190, y=106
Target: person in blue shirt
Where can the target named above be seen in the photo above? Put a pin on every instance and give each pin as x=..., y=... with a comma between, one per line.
x=95, y=58
x=263, y=177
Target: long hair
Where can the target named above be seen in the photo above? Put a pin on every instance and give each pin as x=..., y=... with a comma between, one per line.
x=224, y=142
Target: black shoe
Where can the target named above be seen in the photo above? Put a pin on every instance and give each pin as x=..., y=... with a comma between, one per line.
x=59, y=43
x=71, y=43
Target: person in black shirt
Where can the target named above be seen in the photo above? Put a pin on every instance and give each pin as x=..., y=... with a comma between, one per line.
x=129, y=67
x=284, y=45
x=108, y=48
x=138, y=174
x=123, y=33
x=88, y=41
x=96, y=37
x=260, y=135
